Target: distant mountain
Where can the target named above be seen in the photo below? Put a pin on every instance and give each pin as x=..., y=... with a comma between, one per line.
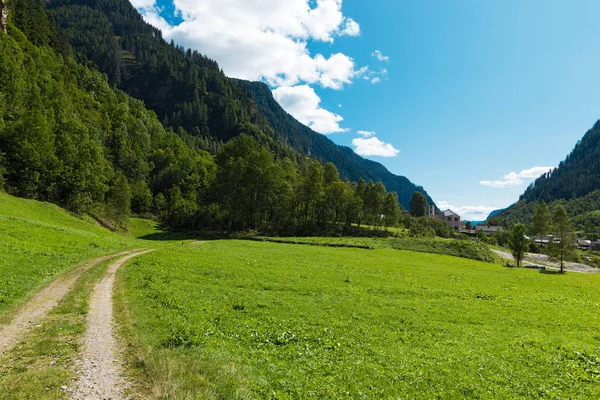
x=494, y=213
x=350, y=165
x=575, y=183
x=191, y=94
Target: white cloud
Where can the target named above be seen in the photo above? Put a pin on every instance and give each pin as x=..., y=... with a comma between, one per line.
x=469, y=213
x=264, y=39
x=303, y=103
x=534, y=172
x=351, y=28
x=142, y=3
x=366, y=134
x=378, y=55
x=376, y=80
x=517, y=178
x=371, y=146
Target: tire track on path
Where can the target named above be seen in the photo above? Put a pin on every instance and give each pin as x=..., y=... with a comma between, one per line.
x=101, y=364
x=33, y=311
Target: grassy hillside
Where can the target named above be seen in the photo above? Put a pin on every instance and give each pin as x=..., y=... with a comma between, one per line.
x=39, y=241
x=237, y=319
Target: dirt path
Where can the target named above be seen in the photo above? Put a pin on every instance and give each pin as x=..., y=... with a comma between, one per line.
x=32, y=312
x=100, y=369
x=542, y=259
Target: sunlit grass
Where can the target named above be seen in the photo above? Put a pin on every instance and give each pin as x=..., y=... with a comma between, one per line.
x=294, y=321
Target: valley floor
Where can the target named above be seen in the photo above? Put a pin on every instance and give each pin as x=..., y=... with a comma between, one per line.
x=242, y=319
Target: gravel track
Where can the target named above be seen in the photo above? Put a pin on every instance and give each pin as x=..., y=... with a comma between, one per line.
x=32, y=312
x=101, y=365
x=543, y=259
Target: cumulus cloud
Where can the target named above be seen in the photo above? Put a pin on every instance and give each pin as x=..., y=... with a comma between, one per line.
x=366, y=134
x=264, y=39
x=473, y=213
x=303, y=103
x=351, y=28
x=369, y=145
x=376, y=80
x=517, y=178
x=378, y=55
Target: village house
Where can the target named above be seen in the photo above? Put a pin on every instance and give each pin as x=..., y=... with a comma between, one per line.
x=450, y=217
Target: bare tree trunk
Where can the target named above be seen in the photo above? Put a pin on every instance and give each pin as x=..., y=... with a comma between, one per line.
x=3, y=15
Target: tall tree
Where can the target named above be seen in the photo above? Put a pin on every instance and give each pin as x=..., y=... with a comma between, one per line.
x=418, y=205
x=119, y=202
x=518, y=242
x=391, y=210
x=562, y=245
x=541, y=222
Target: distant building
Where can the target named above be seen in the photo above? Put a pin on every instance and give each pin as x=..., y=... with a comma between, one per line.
x=545, y=239
x=596, y=245
x=584, y=244
x=451, y=218
x=488, y=229
x=448, y=216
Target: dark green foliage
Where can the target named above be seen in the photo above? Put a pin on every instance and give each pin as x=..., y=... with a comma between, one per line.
x=68, y=138
x=541, y=222
x=119, y=201
x=418, y=205
x=518, y=243
x=561, y=248
x=187, y=90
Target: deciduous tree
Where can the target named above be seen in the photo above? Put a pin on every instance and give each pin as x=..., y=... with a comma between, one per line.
x=518, y=242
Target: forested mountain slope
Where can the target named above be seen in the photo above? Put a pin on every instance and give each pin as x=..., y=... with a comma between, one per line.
x=575, y=183
x=68, y=137
x=189, y=91
x=350, y=165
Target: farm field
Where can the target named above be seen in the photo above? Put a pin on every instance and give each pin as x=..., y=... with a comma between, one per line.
x=241, y=319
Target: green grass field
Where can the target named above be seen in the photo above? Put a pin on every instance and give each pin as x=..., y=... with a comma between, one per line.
x=39, y=241
x=240, y=319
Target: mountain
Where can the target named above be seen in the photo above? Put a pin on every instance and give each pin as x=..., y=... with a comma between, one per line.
x=69, y=137
x=350, y=165
x=575, y=183
x=190, y=93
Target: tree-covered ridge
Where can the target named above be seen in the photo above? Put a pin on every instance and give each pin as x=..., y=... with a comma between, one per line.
x=576, y=176
x=189, y=91
x=68, y=137
x=186, y=89
x=575, y=183
x=302, y=138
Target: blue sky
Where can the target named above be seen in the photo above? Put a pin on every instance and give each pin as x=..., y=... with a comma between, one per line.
x=463, y=92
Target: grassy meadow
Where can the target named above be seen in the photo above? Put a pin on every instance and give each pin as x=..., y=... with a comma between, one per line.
x=39, y=241
x=241, y=319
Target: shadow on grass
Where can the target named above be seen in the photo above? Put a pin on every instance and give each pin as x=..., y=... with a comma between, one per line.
x=170, y=236
x=552, y=272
